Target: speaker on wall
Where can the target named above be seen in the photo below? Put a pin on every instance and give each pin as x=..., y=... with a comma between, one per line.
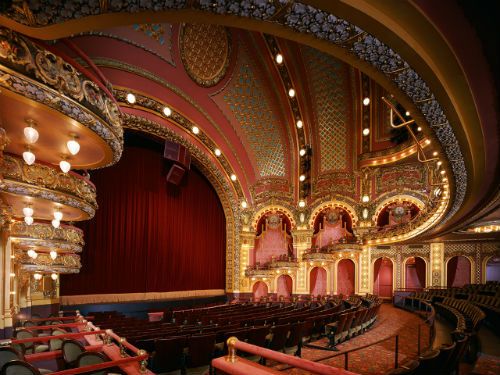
x=182, y=161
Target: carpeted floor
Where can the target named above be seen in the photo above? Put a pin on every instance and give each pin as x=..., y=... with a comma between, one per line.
x=378, y=358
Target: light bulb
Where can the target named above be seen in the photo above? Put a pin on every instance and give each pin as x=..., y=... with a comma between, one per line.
x=167, y=111
x=34, y=255
x=366, y=131
x=302, y=204
x=73, y=146
x=195, y=130
x=29, y=157
x=217, y=152
x=407, y=113
x=56, y=223
x=302, y=152
x=53, y=255
x=131, y=98
x=54, y=276
x=244, y=204
x=31, y=134
x=291, y=93
x=28, y=220
x=58, y=215
x=300, y=124
x=65, y=166
x=233, y=177
x=302, y=177
x=28, y=211
x=37, y=276
x=366, y=101
x=419, y=129
x=279, y=58
x=365, y=198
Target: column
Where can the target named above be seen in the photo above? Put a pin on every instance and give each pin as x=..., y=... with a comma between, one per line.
x=435, y=276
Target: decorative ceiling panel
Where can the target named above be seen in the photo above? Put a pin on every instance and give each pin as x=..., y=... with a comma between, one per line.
x=247, y=99
x=205, y=51
x=332, y=98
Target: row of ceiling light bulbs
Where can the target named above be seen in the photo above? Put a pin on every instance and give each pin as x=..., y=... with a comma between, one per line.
x=38, y=276
x=28, y=216
x=33, y=254
x=31, y=135
x=131, y=98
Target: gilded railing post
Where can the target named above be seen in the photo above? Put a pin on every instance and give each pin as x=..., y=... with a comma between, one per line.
x=231, y=356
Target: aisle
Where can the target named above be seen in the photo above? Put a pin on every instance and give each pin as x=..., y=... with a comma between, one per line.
x=379, y=358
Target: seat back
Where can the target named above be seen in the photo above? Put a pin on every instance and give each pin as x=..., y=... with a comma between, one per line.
x=169, y=354
x=200, y=350
x=92, y=358
x=429, y=363
x=56, y=344
x=295, y=337
x=71, y=349
x=280, y=335
x=257, y=336
x=8, y=354
x=29, y=323
x=18, y=367
x=25, y=334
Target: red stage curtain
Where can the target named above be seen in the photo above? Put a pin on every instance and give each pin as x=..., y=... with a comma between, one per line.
x=148, y=236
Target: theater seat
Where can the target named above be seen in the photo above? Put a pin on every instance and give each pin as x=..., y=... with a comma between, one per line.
x=18, y=367
x=406, y=368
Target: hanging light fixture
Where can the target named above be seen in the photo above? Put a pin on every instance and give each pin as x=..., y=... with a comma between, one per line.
x=65, y=166
x=53, y=254
x=58, y=215
x=73, y=146
x=28, y=211
x=56, y=223
x=54, y=276
x=28, y=156
x=30, y=133
x=28, y=220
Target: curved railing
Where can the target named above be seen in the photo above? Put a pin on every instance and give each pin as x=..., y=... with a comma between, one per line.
x=232, y=364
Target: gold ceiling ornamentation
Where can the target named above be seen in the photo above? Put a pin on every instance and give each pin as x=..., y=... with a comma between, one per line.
x=50, y=178
x=42, y=231
x=39, y=75
x=205, y=52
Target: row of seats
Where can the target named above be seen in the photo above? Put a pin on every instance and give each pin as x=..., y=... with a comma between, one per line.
x=473, y=315
x=443, y=361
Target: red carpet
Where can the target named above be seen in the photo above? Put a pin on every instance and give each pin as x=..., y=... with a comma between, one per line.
x=378, y=358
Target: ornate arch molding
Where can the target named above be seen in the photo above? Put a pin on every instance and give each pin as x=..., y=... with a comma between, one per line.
x=217, y=179
x=397, y=198
x=273, y=207
x=334, y=204
x=350, y=41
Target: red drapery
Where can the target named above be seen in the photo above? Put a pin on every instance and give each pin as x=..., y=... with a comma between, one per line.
x=458, y=271
x=148, y=236
x=345, y=277
x=382, y=277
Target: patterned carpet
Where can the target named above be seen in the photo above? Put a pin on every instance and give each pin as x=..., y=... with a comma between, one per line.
x=379, y=358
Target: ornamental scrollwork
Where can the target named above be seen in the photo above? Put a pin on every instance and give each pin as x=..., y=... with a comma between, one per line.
x=49, y=178
x=47, y=232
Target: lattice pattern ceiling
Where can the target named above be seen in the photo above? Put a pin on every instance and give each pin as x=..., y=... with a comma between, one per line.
x=247, y=99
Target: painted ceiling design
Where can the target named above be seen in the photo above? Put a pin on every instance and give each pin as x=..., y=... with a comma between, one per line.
x=247, y=98
x=332, y=98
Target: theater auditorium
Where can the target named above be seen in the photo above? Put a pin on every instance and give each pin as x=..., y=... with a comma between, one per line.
x=249, y=187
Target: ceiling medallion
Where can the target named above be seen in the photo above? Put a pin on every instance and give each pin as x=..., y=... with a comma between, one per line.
x=205, y=51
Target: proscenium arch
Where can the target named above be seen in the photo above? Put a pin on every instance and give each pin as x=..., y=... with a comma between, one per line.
x=363, y=14
x=218, y=181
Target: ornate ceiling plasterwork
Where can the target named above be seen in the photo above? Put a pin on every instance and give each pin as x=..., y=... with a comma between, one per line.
x=205, y=52
x=304, y=19
x=37, y=74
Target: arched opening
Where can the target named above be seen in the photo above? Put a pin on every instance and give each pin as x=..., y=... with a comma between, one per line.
x=317, y=284
x=396, y=214
x=345, y=277
x=415, y=273
x=259, y=290
x=331, y=226
x=273, y=240
x=458, y=271
x=493, y=269
x=284, y=287
x=382, y=277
